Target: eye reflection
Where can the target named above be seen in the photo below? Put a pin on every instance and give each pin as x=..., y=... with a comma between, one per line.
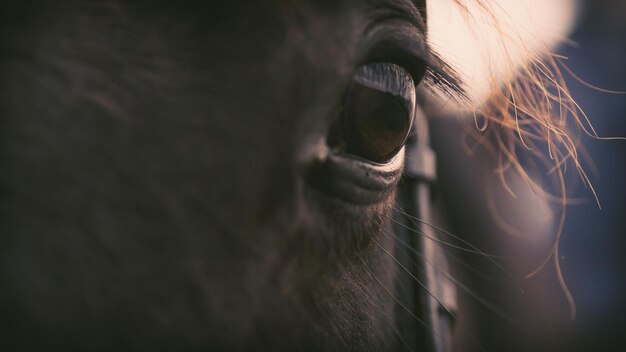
x=377, y=113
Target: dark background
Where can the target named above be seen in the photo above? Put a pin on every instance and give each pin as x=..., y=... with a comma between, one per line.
x=594, y=245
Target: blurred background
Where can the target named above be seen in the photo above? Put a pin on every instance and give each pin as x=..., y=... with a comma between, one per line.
x=594, y=245
x=532, y=314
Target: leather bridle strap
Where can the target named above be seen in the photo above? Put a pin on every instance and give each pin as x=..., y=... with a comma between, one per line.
x=435, y=293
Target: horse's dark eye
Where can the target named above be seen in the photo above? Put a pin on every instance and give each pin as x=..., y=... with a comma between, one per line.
x=377, y=113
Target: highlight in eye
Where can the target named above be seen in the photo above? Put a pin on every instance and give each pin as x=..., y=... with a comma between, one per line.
x=377, y=113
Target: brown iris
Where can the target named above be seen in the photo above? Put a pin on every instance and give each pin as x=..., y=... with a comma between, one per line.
x=377, y=113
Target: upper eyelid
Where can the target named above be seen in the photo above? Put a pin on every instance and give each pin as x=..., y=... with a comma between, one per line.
x=403, y=10
x=396, y=41
x=394, y=38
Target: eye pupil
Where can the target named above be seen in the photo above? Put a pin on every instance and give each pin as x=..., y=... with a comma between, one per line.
x=377, y=114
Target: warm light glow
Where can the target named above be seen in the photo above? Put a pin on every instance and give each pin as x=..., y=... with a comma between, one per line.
x=483, y=55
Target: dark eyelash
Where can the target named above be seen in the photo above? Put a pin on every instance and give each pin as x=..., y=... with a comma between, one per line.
x=444, y=80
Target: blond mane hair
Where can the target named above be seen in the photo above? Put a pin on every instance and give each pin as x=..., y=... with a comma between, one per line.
x=523, y=112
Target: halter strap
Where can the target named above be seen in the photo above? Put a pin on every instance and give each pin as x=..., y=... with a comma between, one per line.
x=435, y=294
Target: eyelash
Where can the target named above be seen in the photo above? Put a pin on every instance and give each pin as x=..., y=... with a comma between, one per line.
x=441, y=78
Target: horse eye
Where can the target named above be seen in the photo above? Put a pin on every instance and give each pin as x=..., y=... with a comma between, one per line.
x=377, y=113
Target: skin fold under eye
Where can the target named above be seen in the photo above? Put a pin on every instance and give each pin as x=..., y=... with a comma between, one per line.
x=377, y=113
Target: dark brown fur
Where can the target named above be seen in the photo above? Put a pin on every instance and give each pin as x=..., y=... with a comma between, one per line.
x=153, y=190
